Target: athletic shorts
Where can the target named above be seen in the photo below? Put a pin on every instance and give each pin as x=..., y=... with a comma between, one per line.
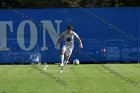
x=68, y=50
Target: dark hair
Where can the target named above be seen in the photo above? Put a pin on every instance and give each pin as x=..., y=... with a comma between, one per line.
x=69, y=27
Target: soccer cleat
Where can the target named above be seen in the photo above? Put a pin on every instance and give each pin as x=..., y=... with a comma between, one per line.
x=61, y=65
x=60, y=71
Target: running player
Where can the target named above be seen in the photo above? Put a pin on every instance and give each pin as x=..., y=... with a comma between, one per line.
x=68, y=38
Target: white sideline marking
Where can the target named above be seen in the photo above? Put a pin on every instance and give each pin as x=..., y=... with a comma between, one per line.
x=45, y=67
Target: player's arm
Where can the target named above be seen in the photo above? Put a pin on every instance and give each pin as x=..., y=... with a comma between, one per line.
x=58, y=41
x=80, y=42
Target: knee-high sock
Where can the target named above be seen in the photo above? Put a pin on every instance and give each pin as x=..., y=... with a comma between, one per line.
x=62, y=58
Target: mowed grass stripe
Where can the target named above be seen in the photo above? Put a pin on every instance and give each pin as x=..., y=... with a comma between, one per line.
x=91, y=78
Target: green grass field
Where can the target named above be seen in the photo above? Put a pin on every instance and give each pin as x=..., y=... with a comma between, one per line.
x=89, y=78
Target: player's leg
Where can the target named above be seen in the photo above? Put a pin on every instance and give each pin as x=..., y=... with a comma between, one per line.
x=69, y=50
x=62, y=55
x=67, y=59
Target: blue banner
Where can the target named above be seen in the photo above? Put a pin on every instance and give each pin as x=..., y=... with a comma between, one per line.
x=108, y=34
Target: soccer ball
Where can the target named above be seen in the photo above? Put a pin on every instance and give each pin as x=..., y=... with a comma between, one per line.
x=76, y=61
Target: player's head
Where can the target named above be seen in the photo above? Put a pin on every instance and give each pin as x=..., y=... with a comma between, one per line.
x=69, y=27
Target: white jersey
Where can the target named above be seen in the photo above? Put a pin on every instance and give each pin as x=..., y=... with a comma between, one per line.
x=68, y=38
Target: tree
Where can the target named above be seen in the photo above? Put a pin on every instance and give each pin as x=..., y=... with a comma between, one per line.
x=132, y=3
x=67, y=3
x=97, y=3
x=72, y=3
x=9, y=3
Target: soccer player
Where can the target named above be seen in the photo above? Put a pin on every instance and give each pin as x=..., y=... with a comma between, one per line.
x=68, y=38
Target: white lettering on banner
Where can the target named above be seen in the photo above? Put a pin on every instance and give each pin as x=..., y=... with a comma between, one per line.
x=20, y=35
x=47, y=27
x=3, y=34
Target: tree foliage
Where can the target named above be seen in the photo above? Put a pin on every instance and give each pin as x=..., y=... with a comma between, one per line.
x=68, y=3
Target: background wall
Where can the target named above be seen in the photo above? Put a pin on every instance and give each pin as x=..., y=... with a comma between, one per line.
x=108, y=34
